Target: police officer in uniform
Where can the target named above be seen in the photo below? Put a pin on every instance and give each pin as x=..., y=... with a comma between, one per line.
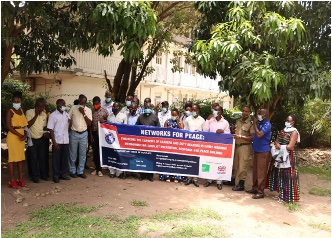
x=243, y=149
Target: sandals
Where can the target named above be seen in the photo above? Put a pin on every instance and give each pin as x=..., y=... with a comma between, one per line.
x=168, y=180
x=13, y=184
x=21, y=183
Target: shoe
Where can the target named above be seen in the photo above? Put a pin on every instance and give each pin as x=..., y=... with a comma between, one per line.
x=35, y=180
x=100, y=174
x=219, y=186
x=258, y=196
x=94, y=172
x=150, y=179
x=176, y=181
x=55, y=180
x=83, y=176
x=168, y=180
x=196, y=183
x=188, y=182
x=73, y=175
x=44, y=178
x=112, y=175
x=13, y=184
x=140, y=179
x=21, y=183
x=207, y=184
x=230, y=183
x=64, y=178
x=86, y=167
x=239, y=187
x=252, y=191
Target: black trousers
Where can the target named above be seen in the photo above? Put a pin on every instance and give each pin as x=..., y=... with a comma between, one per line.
x=60, y=161
x=38, y=162
x=95, y=149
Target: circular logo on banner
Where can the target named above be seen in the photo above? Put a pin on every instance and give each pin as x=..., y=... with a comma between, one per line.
x=109, y=138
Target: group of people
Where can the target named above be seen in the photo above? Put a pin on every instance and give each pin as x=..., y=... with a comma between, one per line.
x=72, y=131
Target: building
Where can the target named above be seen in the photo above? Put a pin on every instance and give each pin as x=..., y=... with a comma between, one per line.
x=87, y=77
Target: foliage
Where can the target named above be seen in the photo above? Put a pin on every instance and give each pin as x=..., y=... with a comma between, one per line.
x=260, y=52
x=320, y=192
x=137, y=203
x=292, y=206
x=323, y=172
x=41, y=34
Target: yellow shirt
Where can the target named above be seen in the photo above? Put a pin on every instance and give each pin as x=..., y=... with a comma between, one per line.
x=78, y=121
x=36, y=129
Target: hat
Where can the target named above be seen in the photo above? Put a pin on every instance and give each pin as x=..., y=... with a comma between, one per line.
x=164, y=103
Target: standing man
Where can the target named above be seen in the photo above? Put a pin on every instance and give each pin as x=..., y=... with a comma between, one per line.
x=217, y=124
x=243, y=147
x=37, y=120
x=119, y=118
x=147, y=119
x=129, y=99
x=261, y=148
x=58, y=124
x=81, y=117
x=99, y=114
x=142, y=109
x=194, y=123
x=107, y=103
x=164, y=114
x=133, y=115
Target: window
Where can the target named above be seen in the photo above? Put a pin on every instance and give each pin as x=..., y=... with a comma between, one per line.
x=186, y=68
x=193, y=70
x=159, y=58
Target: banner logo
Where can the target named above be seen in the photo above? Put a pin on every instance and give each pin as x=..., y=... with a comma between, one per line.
x=109, y=138
x=221, y=169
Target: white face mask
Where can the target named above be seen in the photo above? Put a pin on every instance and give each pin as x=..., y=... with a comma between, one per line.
x=287, y=124
x=188, y=113
x=259, y=118
x=164, y=109
x=128, y=103
x=17, y=106
x=63, y=108
x=194, y=114
x=215, y=113
x=173, y=118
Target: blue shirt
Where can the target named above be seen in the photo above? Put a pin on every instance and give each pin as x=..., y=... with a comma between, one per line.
x=132, y=119
x=262, y=144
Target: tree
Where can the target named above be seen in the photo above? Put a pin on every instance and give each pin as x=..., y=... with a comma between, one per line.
x=260, y=54
x=42, y=34
x=172, y=18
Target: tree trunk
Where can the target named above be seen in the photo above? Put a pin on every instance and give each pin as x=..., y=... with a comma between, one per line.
x=109, y=85
x=117, y=79
x=122, y=93
x=5, y=67
x=133, y=83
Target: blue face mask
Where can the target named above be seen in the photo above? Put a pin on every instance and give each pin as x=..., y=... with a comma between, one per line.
x=173, y=118
x=287, y=124
x=194, y=114
x=128, y=103
x=108, y=100
x=147, y=111
x=17, y=106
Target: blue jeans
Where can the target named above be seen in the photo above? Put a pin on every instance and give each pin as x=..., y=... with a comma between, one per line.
x=80, y=141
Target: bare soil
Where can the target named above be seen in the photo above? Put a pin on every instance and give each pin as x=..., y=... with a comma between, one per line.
x=241, y=214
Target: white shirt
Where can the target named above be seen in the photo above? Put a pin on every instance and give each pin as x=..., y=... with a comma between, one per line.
x=120, y=118
x=132, y=119
x=162, y=116
x=78, y=121
x=59, y=123
x=107, y=106
x=125, y=110
x=194, y=124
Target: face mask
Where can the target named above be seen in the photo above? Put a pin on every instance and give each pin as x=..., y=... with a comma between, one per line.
x=215, y=113
x=212, y=109
x=108, y=99
x=63, y=108
x=164, y=109
x=114, y=110
x=80, y=106
x=147, y=111
x=96, y=107
x=194, y=114
x=128, y=103
x=259, y=118
x=287, y=124
x=188, y=113
x=17, y=106
x=173, y=118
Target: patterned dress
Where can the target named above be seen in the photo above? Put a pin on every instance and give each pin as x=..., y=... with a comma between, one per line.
x=285, y=180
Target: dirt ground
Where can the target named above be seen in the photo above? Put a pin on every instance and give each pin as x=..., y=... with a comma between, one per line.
x=241, y=214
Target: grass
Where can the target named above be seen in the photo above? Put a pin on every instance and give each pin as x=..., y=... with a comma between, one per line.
x=137, y=203
x=323, y=172
x=320, y=192
x=292, y=206
x=71, y=220
x=320, y=226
